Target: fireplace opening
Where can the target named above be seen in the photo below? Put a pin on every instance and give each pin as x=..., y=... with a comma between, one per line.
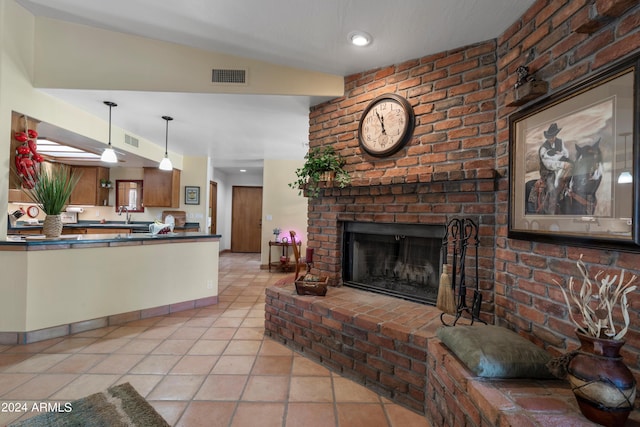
x=402, y=260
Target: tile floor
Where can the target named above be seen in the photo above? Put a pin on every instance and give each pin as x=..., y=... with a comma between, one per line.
x=206, y=367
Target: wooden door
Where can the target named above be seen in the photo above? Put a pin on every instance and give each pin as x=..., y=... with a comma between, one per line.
x=213, y=206
x=246, y=219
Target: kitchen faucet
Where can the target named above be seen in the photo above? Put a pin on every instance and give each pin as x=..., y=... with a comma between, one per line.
x=127, y=214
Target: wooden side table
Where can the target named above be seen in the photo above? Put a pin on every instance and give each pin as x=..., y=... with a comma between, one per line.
x=285, y=253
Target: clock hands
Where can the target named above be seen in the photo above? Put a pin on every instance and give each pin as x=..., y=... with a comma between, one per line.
x=381, y=119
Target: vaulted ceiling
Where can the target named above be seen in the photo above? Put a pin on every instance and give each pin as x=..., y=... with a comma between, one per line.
x=241, y=130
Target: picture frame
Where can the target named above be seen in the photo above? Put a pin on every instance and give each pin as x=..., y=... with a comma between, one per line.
x=191, y=195
x=573, y=174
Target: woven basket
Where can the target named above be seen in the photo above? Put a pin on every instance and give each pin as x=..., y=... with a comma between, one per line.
x=317, y=286
x=52, y=226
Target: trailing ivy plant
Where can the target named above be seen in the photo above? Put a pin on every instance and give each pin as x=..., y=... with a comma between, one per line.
x=320, y=160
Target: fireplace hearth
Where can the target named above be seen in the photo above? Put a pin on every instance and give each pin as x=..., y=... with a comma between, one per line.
x=401, y=260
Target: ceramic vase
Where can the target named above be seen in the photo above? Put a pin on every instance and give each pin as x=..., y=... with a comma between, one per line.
x=603, y=385
x=52, y=226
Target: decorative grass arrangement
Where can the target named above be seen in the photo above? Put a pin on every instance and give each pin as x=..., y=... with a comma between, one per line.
x=597, y=302
x=51, y=187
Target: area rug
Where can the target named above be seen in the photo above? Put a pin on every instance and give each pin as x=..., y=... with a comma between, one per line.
x=120, y=405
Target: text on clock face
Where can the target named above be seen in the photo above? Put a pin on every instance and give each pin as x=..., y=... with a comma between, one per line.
x=384, y=124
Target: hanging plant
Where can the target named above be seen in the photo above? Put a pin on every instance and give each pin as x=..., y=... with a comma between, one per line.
x=320, y=161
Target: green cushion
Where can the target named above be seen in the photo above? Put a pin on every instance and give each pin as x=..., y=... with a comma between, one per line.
x=495, y=352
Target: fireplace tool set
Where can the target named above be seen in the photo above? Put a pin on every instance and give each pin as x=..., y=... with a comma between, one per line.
x=459, y=234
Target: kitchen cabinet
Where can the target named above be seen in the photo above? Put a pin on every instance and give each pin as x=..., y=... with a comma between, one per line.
x=18, y=196
x=161, y=188
x=88, y=191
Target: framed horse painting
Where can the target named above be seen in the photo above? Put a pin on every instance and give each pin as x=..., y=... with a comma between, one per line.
x=572, y=162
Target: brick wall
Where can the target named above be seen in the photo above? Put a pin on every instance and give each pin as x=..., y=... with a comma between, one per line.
x=457, y=161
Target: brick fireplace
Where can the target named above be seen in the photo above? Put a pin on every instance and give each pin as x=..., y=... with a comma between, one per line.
x=456, y=164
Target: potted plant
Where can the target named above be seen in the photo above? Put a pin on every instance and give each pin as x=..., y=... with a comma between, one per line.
x=105, y=183
x=322, y=164
x=50, y=188
x=603, y=385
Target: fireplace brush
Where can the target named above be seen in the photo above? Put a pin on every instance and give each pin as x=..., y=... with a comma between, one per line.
x=460, y=232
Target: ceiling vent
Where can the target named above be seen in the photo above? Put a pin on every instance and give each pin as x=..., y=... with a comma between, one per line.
x=226, y=76
x=128, y=139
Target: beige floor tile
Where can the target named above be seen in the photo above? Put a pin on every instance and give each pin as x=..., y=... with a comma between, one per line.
x=249, y=334
x=207, y=414
x=37, y=363
x=219, y=333
x=222, y=387
x=78, y=363
x=311, y=389
x=235, y=312
x=240, y=365
x=305, y=367
x=252, y=322
x=36, y=347
x=70, y=345
x=9, y=360
x=171, y=411
x=10, y=381
x=349, y=391
x=242, y=347
x=269, y=414
x=228, y=322
x=105, y=345
x=155, y=364
x=117, y=364
x=85, y=385
x=266, y=389
x=139, y=346
x=171, y=346
x=142, y=383
x=40, y=387
x=158, y=332
x=195, y=365
x=177, y=387
x=272, y=365
x=208, y=347
x=361, y=415
x=188, y=333
x=312, y=415
x=400, y=417
x=273, y=348
x=126, y=332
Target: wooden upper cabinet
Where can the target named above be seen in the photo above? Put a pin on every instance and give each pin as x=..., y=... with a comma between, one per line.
x=161, y=188
x=88, y=191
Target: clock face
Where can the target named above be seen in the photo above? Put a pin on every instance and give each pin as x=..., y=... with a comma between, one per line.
x=33, y=211
x=386, y=125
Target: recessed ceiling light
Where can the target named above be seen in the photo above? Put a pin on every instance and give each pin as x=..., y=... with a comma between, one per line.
x=360, y=38
x=243, y=170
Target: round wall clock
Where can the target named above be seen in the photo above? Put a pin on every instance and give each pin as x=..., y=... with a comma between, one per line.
x=33, y=211
x=386, y=125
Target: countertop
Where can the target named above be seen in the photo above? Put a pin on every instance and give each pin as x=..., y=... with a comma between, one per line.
x=68, y=241
x=135, y=226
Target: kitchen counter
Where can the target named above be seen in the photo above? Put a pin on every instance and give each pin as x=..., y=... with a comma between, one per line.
x=55, y=287
x=23, y=227
x=68, y=241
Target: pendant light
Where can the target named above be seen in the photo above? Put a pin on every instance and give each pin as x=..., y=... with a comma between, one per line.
x=165, y=164
x=625, y=177
x=108, y=155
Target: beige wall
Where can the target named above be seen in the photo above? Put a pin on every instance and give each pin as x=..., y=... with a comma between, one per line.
x=48, y=288
x=287, y=210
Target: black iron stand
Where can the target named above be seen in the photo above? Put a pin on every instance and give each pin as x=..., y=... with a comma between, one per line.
x=460, y=232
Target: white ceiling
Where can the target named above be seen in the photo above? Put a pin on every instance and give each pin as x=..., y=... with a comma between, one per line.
x=242, y=130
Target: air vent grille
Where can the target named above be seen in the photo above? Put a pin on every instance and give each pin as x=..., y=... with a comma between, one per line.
x=128, y=139
x=227, y=76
